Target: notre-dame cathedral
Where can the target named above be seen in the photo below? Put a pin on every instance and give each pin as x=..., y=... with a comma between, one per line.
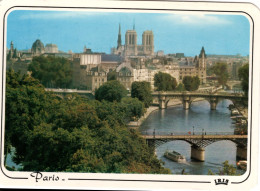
x=131, y=48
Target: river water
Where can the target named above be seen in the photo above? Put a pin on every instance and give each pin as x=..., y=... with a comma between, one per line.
x=176, y=120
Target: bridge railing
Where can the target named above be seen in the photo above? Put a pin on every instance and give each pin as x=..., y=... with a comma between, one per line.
x=157, y=132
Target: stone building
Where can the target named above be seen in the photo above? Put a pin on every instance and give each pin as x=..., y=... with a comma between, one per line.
x=88, y=72
x=89, y=61
x=194, y=67
x=131, y=48
x=94, y=78
x=51, y=48
x=37, y=48
x=110, y=62
x=125, y=75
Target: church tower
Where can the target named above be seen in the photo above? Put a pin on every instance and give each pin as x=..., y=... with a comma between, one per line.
x=119, y=42
x=202, y=58
x=131, y=43
x=201, y=66
x=148, y=43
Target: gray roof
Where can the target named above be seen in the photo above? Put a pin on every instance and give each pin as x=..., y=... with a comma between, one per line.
x=111, y=58
x=186, y=63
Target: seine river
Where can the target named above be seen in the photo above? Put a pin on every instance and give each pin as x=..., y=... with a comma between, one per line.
x=178, y=121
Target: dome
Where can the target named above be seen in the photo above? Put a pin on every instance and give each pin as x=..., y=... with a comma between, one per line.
x=51, y=48
x=37, y=47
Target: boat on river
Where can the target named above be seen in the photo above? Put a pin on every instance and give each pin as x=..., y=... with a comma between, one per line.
x=175, y=156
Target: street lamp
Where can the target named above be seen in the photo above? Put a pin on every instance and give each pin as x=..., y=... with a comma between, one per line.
x=193, y=130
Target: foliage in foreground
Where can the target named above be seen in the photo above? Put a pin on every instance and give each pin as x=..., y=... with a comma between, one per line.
x=228, y=169
x=73, y=134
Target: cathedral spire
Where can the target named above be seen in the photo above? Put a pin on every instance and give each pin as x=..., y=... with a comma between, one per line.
x=202, y=53
x=119, y=42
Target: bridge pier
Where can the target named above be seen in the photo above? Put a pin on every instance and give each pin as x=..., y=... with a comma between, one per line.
x=241, y=153
x=213, y=103
x=162, y=102
x=198, y=153
x=186, y=102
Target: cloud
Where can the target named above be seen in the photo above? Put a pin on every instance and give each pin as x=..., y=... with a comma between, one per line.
x=197, y=19
x=58, y=14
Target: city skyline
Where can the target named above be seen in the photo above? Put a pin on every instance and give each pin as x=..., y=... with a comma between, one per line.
x=173, y=33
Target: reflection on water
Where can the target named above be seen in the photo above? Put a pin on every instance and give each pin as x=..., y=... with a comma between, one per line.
x=179, y=121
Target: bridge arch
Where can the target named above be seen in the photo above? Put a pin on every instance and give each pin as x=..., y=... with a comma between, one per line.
x=187, y=98
x=203, y=143
x=198, y=146
x=213, y=101
x=173, y=101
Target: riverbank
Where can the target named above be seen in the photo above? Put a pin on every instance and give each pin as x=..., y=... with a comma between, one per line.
x=243, y=111
x=137, y=124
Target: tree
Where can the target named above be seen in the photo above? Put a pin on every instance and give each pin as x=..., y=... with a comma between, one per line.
x=243, y=74
x=26, y=106
x=111, y=75
x=135, y=108
x=227, y=169
x=191, y=83
x=111, y=91
x=164, y=82
x=52, y=71
x=73, y=134
x=142, y=91
x=195, y=83
x=180, y=87
x=9, y=55
x=220, y=70
x=15, y=53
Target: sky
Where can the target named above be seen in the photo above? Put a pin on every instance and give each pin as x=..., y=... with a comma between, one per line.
x=176, y=32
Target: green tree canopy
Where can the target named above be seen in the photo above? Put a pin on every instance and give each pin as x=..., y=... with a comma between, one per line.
x=221, y=71
x=142, y=91
x=227, y=169
x=180, y=87
x=191, y=83
x=73, y=134
x=53, y=72
x=111, y=91
x=15, y=53
x=164, y=82
x=135, y=108
x=243, y=74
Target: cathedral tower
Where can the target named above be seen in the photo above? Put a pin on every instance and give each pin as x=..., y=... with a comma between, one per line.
x=131, y=43
x=119, y=42
x=148, y=43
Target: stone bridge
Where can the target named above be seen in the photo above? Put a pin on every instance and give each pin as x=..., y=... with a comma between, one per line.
x=188, y=97
x=199, y=142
